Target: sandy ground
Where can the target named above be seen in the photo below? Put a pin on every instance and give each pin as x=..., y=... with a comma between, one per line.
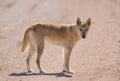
x=97, y=58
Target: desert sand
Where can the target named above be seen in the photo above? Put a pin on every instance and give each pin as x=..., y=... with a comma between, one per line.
x=96, y=58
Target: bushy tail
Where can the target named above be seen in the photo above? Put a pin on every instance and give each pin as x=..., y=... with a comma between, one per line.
x=25, y=40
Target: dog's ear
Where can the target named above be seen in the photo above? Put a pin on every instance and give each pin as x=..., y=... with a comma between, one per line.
x=78, y=21
x=88, y=22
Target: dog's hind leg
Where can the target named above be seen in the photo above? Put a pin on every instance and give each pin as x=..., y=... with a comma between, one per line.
x=40, y=48
x=31, y=52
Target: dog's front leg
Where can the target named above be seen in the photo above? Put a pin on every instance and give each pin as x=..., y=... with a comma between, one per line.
x=67, y=53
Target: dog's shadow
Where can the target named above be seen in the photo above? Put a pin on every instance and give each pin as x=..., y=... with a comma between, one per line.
x=60, y=74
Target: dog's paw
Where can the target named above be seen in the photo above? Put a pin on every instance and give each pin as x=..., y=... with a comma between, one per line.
x=42, y=71
x=69, y=72
x=30, y=71
x=64, y=71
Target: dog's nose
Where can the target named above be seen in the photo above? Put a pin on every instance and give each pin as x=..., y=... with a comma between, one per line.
x=83, y=36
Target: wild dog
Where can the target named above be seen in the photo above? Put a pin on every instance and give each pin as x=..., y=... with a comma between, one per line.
x=63, y=35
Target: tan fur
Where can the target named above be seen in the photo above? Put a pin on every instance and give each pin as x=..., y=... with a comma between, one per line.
x=25, y=41
x=63, y=35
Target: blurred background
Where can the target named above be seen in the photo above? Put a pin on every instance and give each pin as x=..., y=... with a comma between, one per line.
x=14, y=12
x=97, y=58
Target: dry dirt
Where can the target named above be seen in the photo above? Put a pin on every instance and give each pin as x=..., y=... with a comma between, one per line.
x=97, y=58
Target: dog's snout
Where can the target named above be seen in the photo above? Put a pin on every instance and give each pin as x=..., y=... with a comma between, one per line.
x=83, y=35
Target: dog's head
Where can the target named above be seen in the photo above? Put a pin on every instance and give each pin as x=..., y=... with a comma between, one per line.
x=83, y=27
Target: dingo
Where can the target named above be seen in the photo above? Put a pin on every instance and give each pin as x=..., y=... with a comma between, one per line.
x=64, y=35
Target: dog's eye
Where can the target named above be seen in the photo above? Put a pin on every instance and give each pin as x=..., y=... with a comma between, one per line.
x=86, y=30
x=80, y=29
